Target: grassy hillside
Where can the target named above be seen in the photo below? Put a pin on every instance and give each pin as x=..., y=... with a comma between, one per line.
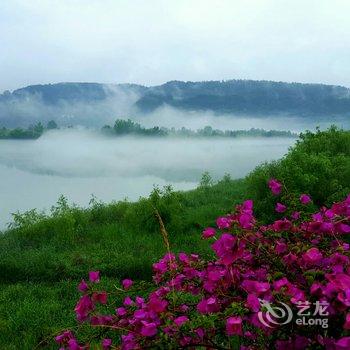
x=42, y=258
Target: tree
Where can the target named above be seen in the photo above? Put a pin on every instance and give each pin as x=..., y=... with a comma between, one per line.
x=51, y=125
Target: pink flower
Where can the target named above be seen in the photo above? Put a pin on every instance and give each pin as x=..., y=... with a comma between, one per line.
x=200, y=332
x=73, y=345
x=128, y=342
x=295, y=215
x=281, y=247
x=223, y=248
x=127, y=283
x=100, y=297
x=290, y=258
x=64, y=337
x=329, y=214
x=148, y=329
x=106, y=344
x=275, y=187
x=246, y=221
x=278, y=284
x=140, y=314
x=160, y=267
x=234, y=325
x=305, y=199
x=208, y=232
x=282, y=225
x=157, y=305
x=83, y=308
x=255, y=287
x=343, y=228
x=180, y=320
x=340, y=280
x=139, y=301
x=223, y=222
x=342, y=344
x=253, y=302
x=312, y=257
x=248, y=205
x=128, y=301
x=83, y=286
x=121, y=311
x=94, y=276
x=206, y=306
x=183, y=257
x=280, y=208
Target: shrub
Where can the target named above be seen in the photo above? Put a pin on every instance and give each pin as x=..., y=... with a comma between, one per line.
x=250, y=295
x=318, y=164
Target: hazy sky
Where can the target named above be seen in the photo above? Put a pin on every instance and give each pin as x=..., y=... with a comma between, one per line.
x=153, y=41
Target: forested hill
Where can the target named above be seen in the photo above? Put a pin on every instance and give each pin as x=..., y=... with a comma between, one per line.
x=92, y=103
x=249, y=96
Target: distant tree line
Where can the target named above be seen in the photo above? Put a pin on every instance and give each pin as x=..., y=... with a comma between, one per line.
x=31, y=133
x=129, y=127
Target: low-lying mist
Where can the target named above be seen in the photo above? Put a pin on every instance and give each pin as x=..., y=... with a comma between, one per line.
x=84, y=153
x=171, y=117
x=78, y=163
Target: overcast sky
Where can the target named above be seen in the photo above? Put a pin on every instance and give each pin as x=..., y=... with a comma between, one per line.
x=153, y=41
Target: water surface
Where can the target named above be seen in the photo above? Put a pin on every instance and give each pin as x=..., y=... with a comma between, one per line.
x=77, y=164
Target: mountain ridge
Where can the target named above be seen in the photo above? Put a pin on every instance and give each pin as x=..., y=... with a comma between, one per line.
x=235, y=96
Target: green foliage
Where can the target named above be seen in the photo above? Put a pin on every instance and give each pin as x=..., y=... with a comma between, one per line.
x=318, y=164
x=129, y=127
x=206, y=180
x=32, y=132
x=51, y=125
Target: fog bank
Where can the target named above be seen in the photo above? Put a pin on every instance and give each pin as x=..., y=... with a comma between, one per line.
x=79, y=163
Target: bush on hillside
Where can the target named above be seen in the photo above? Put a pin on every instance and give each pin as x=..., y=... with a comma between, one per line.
x=319, y=164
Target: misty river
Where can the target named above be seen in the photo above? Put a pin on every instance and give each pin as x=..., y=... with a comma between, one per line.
x=79, y=163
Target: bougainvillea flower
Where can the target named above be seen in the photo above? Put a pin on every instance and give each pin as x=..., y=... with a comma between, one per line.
x=305, y=199
x=83, y=286
x=275, y=186
x=208, y=232
x=294, y=262
x=295, y=215
x=157, y=305
x=223, y=222
x=223, y=248
x=180, y=320
x=94, y=276
x=148, y=329
x=234, y=325
x=255, y=287
x=253, y=302
x=280, y=208
x=206, y=306
x=127, y=283
x=128, y=301
x=83, y=307
x=100, y=297
x=312, y=257
x=106, y=343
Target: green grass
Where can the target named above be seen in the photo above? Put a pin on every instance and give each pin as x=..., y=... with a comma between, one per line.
x=42, y=262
